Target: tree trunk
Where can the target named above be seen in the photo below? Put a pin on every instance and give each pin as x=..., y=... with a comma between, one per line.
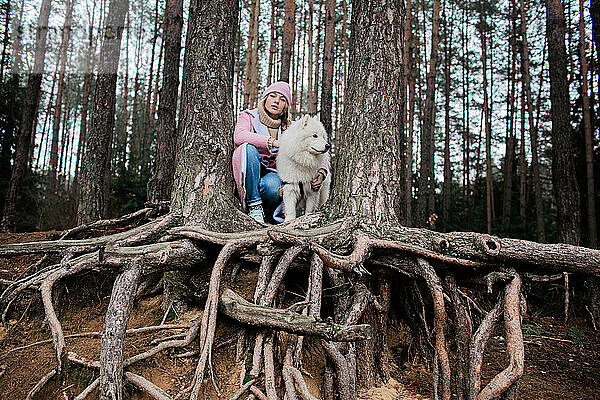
x=367, y=179
x=509, y=155
x=287, y=44
x=535, y=165
x=564, y=180
x=4, y=58
x=84, y=110
x=328, y=63
x=251, y=56
x=426, y=202
x=93, y=191
x=487, y=122
x=121, y=148
x=273, y=45
x=311, y=103
x=200, y=182
x=523, y=169
x=318, y=56
x=589, y=145
x=447, y=192
x=161, y=183
x=53, y=168
x=408, y=85
x=21, y=159
x=595, y=14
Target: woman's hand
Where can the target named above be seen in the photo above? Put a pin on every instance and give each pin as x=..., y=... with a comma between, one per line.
x=276, y=143
x=317, y=181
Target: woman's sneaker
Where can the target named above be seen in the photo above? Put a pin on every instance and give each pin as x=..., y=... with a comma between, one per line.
x=257, y=213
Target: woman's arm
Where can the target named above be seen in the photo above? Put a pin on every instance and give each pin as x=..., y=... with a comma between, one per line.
x=244, y=133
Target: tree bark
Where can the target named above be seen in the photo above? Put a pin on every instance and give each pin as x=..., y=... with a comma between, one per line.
x=589, y=145
x=287, y=43
x=509, y=155
x=486, y=121
x=310, y=96
x=161, y=183
x=89, y=66
x=367, y=179
x=328, y=63
x=251, y=74
x=426, y=201
x=447, y=192
x=53, y=168
x=564, y=182
x=10, y=218
x=535, y=165
x=203, y=175
x=93, y=191
x=273, y=45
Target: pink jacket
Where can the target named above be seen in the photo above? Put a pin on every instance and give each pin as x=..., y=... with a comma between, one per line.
x=249, y=130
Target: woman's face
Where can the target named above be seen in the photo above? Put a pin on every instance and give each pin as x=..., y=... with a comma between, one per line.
x=275, y=103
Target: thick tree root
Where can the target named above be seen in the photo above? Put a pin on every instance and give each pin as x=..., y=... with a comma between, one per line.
x=415, y=253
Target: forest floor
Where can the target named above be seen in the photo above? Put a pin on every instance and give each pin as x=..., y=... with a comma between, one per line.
x=562, y=361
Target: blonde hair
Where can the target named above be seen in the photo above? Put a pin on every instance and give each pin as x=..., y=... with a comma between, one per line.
x=284, y=116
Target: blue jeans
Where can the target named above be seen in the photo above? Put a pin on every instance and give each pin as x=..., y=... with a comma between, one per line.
x=262, y=185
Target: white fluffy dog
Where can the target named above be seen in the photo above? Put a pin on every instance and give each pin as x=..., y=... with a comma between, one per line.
x=303, y=150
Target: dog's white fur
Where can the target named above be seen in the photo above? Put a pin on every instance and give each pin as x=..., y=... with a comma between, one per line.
x=303, y=148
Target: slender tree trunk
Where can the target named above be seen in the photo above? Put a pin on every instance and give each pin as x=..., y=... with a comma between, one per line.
x=318, y=55
x=21, y=159
x=328, y=63
x=287, y=44
x=447, y=192
x=466, y=109
x=509, y=157
x=43, y=136
x=595, y=14
x=64, y=46
x=589, y=145
x=87, y=84
x=273, y=46
x=161, y=183
x=93, y=195
x=408, y=85
x=523, y=169
x=535, y=168
x=564, y=179
x=5, y=41
x=250, y=50
x=486, y=120
x=310, y=94
x=426, y=202
x=122, y=136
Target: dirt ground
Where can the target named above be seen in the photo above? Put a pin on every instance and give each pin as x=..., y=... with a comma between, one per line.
x=561, y=359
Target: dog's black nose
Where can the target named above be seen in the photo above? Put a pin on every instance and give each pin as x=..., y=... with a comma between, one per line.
x=327, y=146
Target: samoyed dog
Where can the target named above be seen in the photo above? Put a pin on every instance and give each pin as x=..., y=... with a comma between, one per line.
x=303, y=149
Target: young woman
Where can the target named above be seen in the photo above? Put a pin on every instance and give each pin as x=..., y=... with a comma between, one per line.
x=256, y=138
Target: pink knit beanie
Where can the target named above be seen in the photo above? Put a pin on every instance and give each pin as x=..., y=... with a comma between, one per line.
x=280, y=87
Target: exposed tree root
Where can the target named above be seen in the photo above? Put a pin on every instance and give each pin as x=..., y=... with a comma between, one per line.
x=147, y=386
x=40, y=385
x=363, y=249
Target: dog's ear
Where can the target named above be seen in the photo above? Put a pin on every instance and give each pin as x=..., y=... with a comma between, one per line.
x=317, y=117
x=304, y=120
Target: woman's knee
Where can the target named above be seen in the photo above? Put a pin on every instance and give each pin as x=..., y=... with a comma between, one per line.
x=269, y=188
